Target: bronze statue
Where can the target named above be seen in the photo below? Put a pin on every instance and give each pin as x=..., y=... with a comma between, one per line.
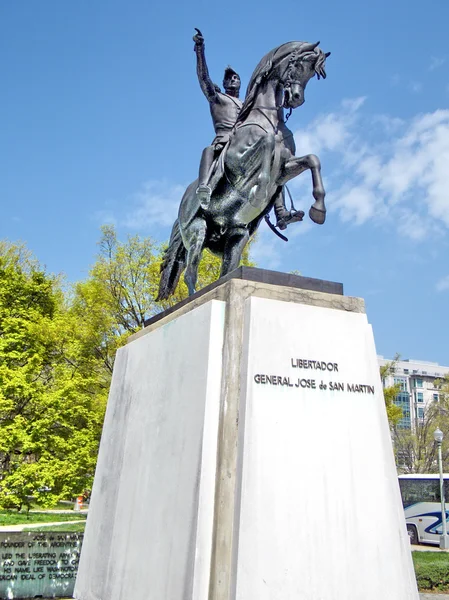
x=247, y=179
x=225, y=109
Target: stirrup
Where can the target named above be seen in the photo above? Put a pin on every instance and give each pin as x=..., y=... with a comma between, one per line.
x=203, y=193
x=288, y=217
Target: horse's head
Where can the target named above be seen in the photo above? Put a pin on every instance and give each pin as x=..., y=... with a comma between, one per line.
x=292, y=65
x=297, y=68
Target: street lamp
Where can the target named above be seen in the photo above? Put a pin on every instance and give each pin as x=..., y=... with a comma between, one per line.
x=444, y=539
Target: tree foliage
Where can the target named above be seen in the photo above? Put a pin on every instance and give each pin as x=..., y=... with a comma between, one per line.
x=416, y=449
x=51, y=399
x=394, y=412
x=119, y=294
x=57, y=351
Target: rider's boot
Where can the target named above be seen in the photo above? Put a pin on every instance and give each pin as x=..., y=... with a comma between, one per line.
x=203, y=193
x=285, y=217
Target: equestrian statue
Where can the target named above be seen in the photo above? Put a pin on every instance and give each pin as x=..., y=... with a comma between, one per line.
x=244, y=171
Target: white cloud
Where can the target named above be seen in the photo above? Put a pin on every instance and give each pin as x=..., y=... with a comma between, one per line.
x=155, y=204
x=357, y=204
x=443, y=284
x=353, y=104
x=436, y=62
x=388, y=169
x=389, y=124
x=411, y=225
x=331, y=131
x=415, y=87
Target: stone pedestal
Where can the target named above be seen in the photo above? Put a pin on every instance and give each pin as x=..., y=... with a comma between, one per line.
x=246, y=455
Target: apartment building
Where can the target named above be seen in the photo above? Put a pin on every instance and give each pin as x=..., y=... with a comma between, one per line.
x=417, y=387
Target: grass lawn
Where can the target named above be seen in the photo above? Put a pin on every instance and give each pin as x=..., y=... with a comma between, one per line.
x=71, y=527
x=13, y=517
x=432, y=571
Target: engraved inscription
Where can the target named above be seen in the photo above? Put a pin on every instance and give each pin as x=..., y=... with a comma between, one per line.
x=307, y=382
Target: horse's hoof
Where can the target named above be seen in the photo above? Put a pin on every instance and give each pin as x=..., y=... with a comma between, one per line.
x=318, y=216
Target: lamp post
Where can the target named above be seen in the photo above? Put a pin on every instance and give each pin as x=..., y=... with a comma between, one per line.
x=444, y=539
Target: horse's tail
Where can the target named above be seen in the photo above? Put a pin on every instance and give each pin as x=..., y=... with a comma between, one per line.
x=173, y=264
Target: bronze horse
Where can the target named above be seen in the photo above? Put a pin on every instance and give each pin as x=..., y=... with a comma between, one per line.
x=251, y=171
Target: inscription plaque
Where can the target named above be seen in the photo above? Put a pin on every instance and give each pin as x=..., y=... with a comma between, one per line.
x=41, y=564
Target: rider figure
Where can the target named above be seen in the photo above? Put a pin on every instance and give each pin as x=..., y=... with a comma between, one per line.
x=224, y=109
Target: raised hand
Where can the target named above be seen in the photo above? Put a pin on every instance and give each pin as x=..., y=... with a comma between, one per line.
x=198, y=38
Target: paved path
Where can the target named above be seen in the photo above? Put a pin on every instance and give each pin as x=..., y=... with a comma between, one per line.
x=59, y=511
x=429, y=548
x=433, y=597
x=22, y=526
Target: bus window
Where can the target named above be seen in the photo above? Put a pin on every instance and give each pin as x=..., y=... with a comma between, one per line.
x=419, y=490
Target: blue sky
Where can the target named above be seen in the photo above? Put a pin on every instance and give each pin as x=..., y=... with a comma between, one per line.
x=102, y=119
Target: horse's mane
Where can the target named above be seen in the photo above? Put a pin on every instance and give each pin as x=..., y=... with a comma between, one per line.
x=270, y=62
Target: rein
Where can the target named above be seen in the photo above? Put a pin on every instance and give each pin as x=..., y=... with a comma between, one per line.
x=275, y=129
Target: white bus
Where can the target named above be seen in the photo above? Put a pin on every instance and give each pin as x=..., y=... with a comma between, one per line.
x=422, y=507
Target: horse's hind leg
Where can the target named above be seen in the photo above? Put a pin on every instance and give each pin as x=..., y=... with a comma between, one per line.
x=196, y=238
x=235, y=243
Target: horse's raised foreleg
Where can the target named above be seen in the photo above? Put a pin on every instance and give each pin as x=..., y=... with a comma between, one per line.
x=196, y=238
x=297, y=165
x=235, y=243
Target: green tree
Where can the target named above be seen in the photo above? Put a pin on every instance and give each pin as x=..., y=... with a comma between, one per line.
x=415, y=449
x=119, y=294
x=52, y=395
x=442, y=385
x=56, y=358
x=394, y=412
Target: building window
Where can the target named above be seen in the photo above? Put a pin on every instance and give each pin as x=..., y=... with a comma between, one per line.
x=406, y=371
x=420, y=413
x=402, y=382
x=403, y=401
x=435, y=397
x=419, y=396
x=417, y=383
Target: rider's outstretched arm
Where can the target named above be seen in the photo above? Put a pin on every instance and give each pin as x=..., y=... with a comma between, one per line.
x=201, y=68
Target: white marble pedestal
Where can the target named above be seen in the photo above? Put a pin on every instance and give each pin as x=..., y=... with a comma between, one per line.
x=246, y=456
